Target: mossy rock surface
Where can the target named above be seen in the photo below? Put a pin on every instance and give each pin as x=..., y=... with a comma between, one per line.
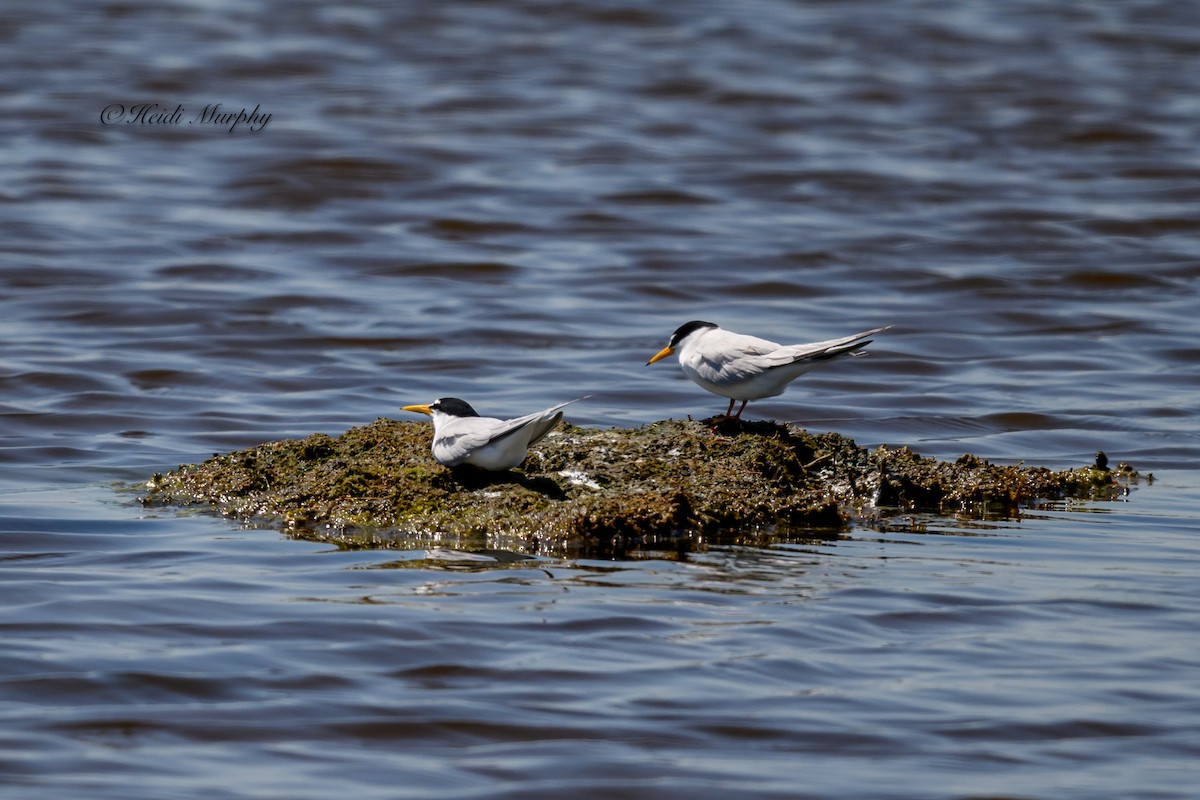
x=600, y=491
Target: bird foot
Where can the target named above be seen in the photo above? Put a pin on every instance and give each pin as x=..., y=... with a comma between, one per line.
x=723, y=425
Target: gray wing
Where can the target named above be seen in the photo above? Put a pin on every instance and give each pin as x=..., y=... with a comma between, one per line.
x=819, y=351
x=734, y=356
x=462, y=437
x=540, y=422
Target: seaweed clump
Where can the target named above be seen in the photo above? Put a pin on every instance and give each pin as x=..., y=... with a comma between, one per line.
x=600, y=491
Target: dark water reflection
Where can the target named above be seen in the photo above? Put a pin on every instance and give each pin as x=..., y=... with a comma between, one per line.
x=516, y=203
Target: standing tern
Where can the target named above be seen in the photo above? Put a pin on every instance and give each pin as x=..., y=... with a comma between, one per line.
x=461, y=436
x=747, y=368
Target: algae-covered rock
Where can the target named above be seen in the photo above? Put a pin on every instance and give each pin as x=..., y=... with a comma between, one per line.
x=598, y=491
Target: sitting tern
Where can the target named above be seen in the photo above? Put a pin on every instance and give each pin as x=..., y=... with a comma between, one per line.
x=747, y=368
x=461, y=436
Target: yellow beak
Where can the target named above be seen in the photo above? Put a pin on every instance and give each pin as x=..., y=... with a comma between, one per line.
x=661, y=354
x=418, y=409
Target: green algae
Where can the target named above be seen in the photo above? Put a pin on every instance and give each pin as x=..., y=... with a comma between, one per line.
x=603, y=491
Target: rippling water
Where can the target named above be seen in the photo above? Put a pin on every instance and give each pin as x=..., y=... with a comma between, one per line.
x=1048, y=657
x=516, y=203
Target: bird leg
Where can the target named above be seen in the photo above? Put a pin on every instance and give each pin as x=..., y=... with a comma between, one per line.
x=729, y=411
x=737, y=416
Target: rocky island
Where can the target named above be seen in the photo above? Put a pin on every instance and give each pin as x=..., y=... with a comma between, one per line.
x=587, y=491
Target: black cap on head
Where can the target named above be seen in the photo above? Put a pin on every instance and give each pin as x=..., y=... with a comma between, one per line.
x=454, y=407
x=688, y=328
